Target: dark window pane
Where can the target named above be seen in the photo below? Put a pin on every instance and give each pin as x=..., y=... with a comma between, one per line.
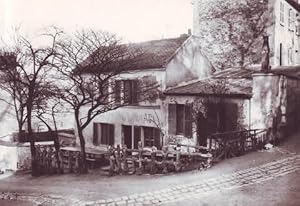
x=148, y=137
x=111, y=135
x=134, y=90
x=95, y=134
x=137, y=136
x=179, y=118
x=157, y=138
x=188, y=120
x=127, y=91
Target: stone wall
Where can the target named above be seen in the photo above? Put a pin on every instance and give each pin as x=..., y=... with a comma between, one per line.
x=15, y=157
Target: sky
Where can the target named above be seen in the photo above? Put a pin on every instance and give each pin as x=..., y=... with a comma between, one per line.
x=133, y=20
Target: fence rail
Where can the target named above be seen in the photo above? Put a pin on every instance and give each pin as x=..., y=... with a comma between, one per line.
x=236, y=143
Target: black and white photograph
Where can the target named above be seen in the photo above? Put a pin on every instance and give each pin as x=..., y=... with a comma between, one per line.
x=149, y=102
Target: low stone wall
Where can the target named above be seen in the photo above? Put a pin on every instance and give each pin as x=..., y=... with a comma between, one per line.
x=14, y=157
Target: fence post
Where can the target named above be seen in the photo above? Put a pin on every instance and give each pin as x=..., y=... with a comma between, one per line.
x=164, y=161
x=124, y=159
x=140, y=160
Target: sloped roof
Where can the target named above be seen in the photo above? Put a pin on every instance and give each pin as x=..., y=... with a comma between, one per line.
x=234, y=82
x=294, y=4
x=157, y=53
x=230, y=82
x=154, y=54
x=289, y=71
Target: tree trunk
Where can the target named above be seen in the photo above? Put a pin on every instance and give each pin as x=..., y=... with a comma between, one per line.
x=83, y=165
x=56, y=145
x=34, y=166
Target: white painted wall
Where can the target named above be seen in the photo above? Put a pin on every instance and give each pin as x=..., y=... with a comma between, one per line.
x=190, y=63
x=285, y=35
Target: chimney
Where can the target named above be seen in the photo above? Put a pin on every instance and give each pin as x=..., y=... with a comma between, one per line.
x=265, y=61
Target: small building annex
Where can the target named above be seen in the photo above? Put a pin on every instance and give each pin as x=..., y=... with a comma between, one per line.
x=234, y=99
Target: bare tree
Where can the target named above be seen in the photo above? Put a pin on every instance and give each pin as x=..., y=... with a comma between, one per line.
x=231, y=31
x=47, y=112
x=90, y=62
x=28, y=79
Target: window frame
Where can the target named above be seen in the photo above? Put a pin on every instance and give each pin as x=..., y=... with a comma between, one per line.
x=186, y=120
x=281, y=14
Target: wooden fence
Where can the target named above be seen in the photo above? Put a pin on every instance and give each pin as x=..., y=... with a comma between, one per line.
x=172, y=158
x=236, y=143
x=142, y=160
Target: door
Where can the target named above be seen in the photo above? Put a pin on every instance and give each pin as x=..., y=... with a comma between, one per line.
x=127, y=134
x=202, y=129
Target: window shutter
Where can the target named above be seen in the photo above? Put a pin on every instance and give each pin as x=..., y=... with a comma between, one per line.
x=117, y=91
x=172, y=118
x=95, y=134
x=127, y=94
x=180, y=129
x=134, y=90
x=188, y=120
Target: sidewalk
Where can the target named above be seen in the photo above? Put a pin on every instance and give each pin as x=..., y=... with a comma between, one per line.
x=93, y=187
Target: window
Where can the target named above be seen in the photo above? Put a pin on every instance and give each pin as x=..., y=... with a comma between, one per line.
x=103, y=134
x=291, y=20
x=151, y=137
x=282, y=13
x=129, y=92
x=180, y=119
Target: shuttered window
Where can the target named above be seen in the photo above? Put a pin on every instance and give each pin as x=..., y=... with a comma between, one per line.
x=180, y=119
x=130, y=91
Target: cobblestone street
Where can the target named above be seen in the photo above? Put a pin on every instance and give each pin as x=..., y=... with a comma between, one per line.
x=196, y=190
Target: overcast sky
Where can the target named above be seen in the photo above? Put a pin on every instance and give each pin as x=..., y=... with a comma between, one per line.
x=134, y=20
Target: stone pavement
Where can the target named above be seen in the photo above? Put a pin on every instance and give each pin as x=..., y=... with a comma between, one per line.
x=288, y=163
x=198, y=189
